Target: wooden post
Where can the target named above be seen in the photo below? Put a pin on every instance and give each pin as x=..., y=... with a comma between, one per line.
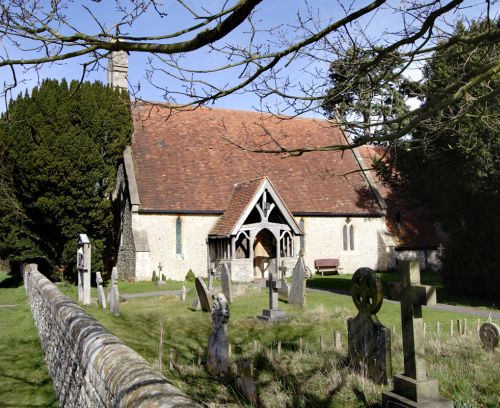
x=465, y=326
x=425, y=328
x=199, y=359
x=160, y=347
x=255, y=346
x=338, y=344
x=438, y=328
x=171, y=359
x=229, y=350
x=321, y=345
x=300, y=346
x=478, y=326
x=279, y=347
x=459, y=327
x=451, y=328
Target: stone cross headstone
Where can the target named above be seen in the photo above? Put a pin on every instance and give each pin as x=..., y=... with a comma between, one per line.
x=273, y=314
x=297, y=295
x=225, y=278
x=83, y=262
x=489, y=334
x=413, y=388
x=203, y=295
x=284, y=291
x=218, y=345
x=161, y=277
x=101, y=299
x=114, y=296
x=369, y=342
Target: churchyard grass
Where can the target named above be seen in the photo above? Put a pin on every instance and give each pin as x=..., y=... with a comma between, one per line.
x=343, y=282
x=24, y=380
x=311, y=378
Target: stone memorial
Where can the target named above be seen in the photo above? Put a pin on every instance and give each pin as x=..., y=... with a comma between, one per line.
x=273, y=314
x=297, y=295
x=83, y=265
x=489, y=335
x=183, y=293
x=284, y=290
x=225, y=278
x=413, y=388
x=369, y=342
x=245, y=381
x=203, y=295
x=114, y=295
x=101, y=299
x=218, y=345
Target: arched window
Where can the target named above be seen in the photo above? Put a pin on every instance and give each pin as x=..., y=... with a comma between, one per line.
x=178, y=236
x=348, y=236
x=303, y=236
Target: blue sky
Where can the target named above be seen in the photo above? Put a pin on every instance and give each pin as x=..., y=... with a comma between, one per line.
x=270, y=13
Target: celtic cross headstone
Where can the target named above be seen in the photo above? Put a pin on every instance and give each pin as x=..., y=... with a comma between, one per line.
x=369, y=342
x=273, y=313
x=413, y=388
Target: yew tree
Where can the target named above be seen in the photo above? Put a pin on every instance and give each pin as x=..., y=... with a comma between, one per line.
x=60, y=147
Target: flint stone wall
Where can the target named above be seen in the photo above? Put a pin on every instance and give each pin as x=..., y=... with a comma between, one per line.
x=89, y=366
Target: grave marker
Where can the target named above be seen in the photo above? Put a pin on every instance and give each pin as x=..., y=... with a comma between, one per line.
x=273, y=314
x=218, y=346
x=203, y=295
x=297, y=295
x=114, y=296
x=369, y=342
x=83, y=264
x=225, y=278
x=284, y=291
x=413, y=388
x=101, y=299
x=183, y=293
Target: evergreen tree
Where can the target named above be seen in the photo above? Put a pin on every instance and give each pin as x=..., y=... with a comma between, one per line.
x=452, y=163
x=60, y=147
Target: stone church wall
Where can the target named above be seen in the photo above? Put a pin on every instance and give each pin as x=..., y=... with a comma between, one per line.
x=89, y=366
x=162, y=243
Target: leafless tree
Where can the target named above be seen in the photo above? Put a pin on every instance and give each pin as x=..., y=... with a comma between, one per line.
x=267, y=63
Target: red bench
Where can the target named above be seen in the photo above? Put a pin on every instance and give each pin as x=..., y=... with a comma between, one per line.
x=327, y=265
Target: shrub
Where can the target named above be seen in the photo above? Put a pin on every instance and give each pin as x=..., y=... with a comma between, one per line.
x=190, y=276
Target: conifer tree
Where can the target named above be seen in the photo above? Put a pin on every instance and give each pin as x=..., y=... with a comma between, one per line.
x=60, y=148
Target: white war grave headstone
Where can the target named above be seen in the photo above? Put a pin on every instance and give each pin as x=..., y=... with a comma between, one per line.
x=83, y=262
x=101, y=299
x=413, y=388
x=218, y=345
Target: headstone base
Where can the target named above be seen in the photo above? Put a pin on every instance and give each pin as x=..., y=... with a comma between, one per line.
x=273, y=315
x=409, y=392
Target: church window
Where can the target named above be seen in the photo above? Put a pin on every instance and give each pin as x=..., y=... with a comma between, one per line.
x=348, y=236
x=303, y=236
x=178, y=236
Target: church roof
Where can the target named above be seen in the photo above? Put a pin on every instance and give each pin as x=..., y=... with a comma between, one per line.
x=184, y=164
x=242, y=201
x=409, y=223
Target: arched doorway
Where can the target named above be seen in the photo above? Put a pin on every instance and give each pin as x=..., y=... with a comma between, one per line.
x=264, y=250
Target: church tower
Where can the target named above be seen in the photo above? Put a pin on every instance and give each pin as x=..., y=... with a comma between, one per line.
x=118, y=70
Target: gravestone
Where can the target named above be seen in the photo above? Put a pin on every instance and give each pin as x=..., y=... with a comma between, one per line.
x=203, y=295
x=245, y=381
x=183, y=293
x=273, y=314
x=218, y=346
x=284, y=290
x=369, y=342
x=413, y=388
x=83, y=265
x=161, y=280
x=114, y=295
x=101, y=299
x=225, y=278
x=297, y=295
x=489, y=335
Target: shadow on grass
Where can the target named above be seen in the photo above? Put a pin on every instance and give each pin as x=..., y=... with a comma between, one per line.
x=13, y=280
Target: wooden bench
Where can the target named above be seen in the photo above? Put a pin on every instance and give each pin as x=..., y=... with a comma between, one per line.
x=327, y=265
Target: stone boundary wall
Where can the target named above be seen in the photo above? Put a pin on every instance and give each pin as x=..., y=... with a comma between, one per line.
x=89, y=366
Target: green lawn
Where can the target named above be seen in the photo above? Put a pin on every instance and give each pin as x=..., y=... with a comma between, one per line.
x=24, y=380
x=343, y=282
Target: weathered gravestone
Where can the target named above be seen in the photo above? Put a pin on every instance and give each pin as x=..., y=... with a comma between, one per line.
x=273, y=314
x=245, y=381
x=489, y=335
x=284, y=290
x=114, y=294
x=83, y=262
x=101, y=299
x=369, y=341
x=203, y=295
x=218, y=345
x=413, y=388
x=297, y=295
x=225, y=278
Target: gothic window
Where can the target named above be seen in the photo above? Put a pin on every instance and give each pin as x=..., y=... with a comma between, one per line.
x=178, y=236
x=348, y=236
